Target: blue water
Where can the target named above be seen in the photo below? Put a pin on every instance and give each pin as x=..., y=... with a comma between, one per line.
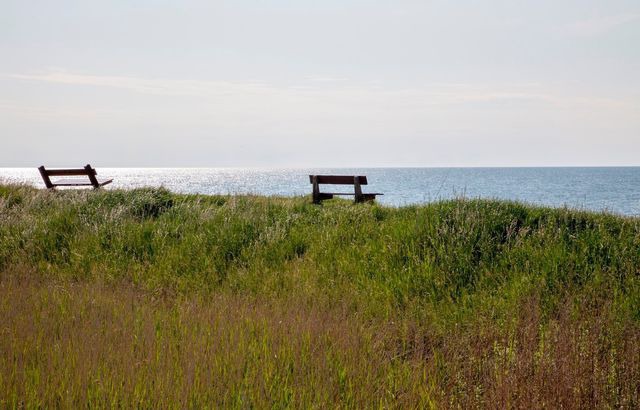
x=614, y=190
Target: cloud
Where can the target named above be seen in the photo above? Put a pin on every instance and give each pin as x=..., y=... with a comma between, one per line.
x=440, y=93
x=321, y=79
x=323, y=91
x=37, y=111
x=598, y=25
x=145, y=85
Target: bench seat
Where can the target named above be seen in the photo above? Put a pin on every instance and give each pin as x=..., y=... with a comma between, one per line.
x=78, y=182
x=350, y=193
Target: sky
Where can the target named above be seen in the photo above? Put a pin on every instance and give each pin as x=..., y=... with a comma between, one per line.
x=347, y=83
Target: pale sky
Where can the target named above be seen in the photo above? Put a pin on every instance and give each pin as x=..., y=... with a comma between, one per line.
x=319, y=83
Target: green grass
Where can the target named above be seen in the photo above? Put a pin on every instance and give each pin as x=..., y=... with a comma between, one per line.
x=454, y=303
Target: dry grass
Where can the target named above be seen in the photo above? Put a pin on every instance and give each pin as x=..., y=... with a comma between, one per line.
x=70, y=344
x=76, y=343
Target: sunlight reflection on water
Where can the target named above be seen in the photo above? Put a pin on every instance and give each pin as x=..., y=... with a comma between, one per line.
x=613, y=189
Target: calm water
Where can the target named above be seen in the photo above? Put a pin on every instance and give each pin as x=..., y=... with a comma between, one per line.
x=612, y=189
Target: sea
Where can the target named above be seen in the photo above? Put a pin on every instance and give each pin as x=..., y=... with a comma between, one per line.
x=609, y=189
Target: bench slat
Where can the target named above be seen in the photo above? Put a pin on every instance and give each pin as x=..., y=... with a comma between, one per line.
x=338, y=179
x=69, y=172
x=351, y=193
x=73, y=184
x=78, y=182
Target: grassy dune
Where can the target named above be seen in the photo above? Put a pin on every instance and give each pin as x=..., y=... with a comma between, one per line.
x=147, y=298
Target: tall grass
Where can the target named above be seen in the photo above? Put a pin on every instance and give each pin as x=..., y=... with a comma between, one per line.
x=149, y=298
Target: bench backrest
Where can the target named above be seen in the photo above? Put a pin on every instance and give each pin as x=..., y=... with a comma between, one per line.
x=87, y=170
x=338, y=179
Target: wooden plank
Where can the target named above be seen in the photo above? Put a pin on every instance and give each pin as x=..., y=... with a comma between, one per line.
x=78, y=181
x=72, y=181
x=76, y=184
x=351, y=193
x=337, y=179
x=68, y=172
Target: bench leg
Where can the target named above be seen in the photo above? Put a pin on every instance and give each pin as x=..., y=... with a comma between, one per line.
x=316, y=190
x=322, y=197
x=357, y=190
x=45, y=177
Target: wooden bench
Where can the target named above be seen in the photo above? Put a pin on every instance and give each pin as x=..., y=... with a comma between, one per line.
x=356, y=181
x=86, y=171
